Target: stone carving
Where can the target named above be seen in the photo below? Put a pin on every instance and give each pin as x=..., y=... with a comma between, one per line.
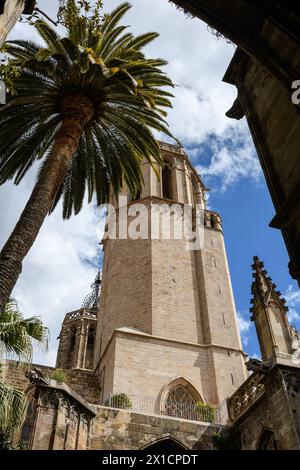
x=36, y=377
x=257, y=365
x=294, y=269
x=292, y=381
x=295, y=338
x=171, y=148
x=236, y=111
x=245, y=396
x=263, y=287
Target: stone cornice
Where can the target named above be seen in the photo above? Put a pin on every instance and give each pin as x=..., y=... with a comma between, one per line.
x=127, y=331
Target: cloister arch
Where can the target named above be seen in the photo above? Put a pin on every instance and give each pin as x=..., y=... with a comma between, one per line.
x=165, y=444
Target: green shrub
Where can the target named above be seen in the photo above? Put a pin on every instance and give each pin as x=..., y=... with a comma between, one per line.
x=226, y=440
x=208, y=412
x=6, y=441
x=59, y=375
x=121, y=400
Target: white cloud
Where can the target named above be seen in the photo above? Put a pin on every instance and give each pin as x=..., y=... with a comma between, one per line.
x=55, y=275
x=293, y=300
x=233, y=162
x=244, y=327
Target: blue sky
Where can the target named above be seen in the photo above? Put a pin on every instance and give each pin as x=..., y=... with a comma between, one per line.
x=61, y=265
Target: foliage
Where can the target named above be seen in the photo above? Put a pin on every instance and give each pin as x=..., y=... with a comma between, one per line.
x=208, y=412
x=19, y=335
x=226, y=440
x=59, y=375
x=12, y=407
x=6, y=441
x=90, y=15
x=121, y=400
x=99, y=60
x=8, y=73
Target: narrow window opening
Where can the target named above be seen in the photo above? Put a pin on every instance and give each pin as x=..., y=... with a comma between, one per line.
x=73, y=339
x=91, y=339
x=167, y=181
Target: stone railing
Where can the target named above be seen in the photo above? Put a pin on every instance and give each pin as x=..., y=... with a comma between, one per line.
x=142, y=403
x=248, y=393
x=81, y=313
x=171, y=148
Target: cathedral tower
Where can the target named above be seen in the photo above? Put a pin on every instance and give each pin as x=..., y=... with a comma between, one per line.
x=168, y=324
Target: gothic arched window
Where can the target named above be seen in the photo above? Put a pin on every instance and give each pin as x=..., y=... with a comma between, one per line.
x=28, y=423
x=267, y=440
x=179, y=398
x=180, y=403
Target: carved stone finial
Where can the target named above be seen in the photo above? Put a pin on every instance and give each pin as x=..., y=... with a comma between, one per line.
x=236, y=111
x=263, y=286
x=295, y=338
x=37, y=377
x=256, y=365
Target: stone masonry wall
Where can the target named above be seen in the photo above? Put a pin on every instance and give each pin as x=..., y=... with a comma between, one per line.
x=125, y=430
x=83, y=382
x=276, y=411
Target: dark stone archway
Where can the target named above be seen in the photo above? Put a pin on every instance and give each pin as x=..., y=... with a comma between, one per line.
x=267, y=440
x=165, y=445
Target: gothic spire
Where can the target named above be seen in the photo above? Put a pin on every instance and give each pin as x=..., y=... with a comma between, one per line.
x=277, y=338
x=92, y=299
x=263, y=288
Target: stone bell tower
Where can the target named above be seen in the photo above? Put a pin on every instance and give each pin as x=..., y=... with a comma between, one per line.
x=168, y=322
x=78, y=331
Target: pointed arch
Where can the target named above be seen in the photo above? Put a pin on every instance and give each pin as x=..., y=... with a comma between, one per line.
x=165, y=443
x=266, y=440
x=179, y=398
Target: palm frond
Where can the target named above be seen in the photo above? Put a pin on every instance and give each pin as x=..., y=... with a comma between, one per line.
x=128, y=92
x=13, y=404
x=18, y=334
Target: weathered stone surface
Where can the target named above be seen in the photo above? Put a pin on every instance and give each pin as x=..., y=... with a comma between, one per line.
x=134, y=435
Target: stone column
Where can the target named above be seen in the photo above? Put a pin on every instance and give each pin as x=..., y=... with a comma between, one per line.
x=12, y=12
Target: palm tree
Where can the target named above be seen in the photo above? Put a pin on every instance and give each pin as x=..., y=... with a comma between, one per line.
x=84, y=104
x=18, y=336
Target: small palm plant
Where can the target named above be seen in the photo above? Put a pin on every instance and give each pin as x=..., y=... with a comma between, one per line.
x=17, y=336
x=84, y=105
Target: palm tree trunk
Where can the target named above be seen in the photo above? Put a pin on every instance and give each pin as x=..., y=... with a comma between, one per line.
x=76, y=112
